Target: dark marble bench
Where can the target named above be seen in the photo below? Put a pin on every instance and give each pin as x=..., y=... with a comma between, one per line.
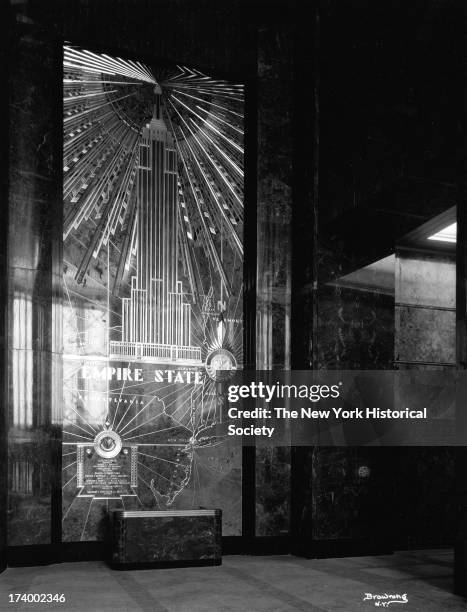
x=166, y=538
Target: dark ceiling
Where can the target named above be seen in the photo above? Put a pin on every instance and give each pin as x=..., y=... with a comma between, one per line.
x=392, y=139
x=392, y=142
x=390, y=106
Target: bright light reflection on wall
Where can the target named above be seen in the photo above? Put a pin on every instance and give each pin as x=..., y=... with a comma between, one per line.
x=22, y=361
x=448, y=234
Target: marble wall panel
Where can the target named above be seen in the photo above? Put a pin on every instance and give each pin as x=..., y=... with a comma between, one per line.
x=274, y=198
x=425, y=308
x=425, y=280
x=273, y=491
x=355, y=329
x=425, y=335
x=3, y=409
x=334, y=488
x=425, y=324
x=342, y=504
x=34, y=287
x=3, y=351
x=274, y=192
x=341, y=495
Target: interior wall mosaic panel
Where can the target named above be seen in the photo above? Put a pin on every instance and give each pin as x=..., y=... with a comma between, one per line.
x=152, y=280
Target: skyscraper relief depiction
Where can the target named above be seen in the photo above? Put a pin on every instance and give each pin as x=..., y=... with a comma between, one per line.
x=156, y=321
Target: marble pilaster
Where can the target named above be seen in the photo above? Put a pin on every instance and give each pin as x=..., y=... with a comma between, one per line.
x=34, y=286
x=274, y=198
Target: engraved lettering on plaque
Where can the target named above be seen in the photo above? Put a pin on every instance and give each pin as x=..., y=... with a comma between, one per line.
x=104, y=477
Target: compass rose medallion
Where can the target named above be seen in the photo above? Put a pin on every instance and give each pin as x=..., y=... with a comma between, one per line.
x=107, y=443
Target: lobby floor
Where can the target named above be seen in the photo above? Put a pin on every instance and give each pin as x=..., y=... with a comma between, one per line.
x=244, y=584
